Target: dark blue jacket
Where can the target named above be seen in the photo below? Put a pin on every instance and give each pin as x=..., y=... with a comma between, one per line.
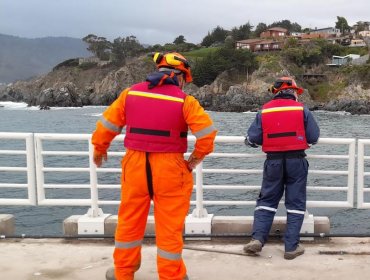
x=254, y=133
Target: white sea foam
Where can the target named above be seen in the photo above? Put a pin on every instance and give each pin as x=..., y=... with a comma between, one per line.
x=17, y=106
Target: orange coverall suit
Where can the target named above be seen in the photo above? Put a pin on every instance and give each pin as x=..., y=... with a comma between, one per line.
x=172, y=187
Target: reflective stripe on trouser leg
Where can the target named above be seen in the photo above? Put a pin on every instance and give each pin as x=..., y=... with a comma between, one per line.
x=272, y=190
x=132, y=215
x=173, y=184
x=295, y=200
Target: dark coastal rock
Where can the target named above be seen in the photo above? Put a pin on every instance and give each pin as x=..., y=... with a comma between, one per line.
x=230, y=92
x=350, y=106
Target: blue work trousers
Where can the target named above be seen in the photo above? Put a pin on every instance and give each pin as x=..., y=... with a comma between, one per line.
x=289, y=174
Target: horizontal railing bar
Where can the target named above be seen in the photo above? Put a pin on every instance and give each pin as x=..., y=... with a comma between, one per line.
x=258, y=171
x=107, y=186
x=14, y=135
x=109, y=170
x=328, y=156
x=13, y=152
x=65, y=153
x=237, y=171
x=65, y=202
x=16, y=169
x=61, y=136
x=65, y=169
x=245, y=187
x=5, y=185
x=15, y=201
x=230, y=187
x=332, y=204
x=67, y=186
x=244, y=155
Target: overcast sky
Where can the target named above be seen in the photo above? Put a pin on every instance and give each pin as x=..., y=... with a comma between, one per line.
x=160, y=21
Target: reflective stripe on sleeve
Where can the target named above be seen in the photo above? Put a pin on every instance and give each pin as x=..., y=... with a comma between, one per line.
x=265, y=208
x=204, y=131
x=168, y=255
x=110, y=125
x=128, y=245
x=296, y=212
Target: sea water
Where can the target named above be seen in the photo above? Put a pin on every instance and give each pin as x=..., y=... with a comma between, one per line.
x=17, y=117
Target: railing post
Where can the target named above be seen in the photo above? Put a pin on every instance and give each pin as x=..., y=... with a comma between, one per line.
x=351, y=172
x=93, y=222
x=94, y=210
x=199, y=222
x=360, y=174
x=199, y=211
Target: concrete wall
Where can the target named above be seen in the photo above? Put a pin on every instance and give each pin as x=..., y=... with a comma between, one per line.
x=7, y=224
x=220, y=225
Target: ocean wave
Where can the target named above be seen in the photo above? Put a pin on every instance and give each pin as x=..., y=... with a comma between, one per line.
x=17, y=106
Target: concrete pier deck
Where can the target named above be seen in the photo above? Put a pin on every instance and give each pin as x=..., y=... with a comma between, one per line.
x=336, y=258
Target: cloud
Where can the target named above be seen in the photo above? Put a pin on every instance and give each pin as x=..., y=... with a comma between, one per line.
x=162, y=21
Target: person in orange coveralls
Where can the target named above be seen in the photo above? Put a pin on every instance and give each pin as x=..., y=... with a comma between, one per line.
x=157, y=115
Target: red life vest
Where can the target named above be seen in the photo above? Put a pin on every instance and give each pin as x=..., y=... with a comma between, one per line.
x=283, y=126
x=154, y=119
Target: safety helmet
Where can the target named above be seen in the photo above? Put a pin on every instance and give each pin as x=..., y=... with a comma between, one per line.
x=285, y=83
x=175, y=61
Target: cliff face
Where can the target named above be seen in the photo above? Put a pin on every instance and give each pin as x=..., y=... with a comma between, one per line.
x=75, y=86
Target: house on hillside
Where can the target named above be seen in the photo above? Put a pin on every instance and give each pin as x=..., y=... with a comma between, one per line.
x=274, y=32
x=364, y=24
x=248, y=44
x=342, y=60
x=365, y=33
x=268, y=45
x=326, y=32
x=259, y=45
x=357, y=43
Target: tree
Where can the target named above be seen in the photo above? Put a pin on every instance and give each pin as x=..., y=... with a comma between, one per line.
x=207, y=40
x=218, y=35
x=99, y=46
x=179, y=40
x=215, y=62
x=131, y=46
x=122, y=48
x=342, y=25
x=259, y=29
x=118, y=51
x=291, y=27
x=242, y=33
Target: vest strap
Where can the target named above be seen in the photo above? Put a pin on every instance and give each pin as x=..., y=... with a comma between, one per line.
x=165, y=133
x=282, y=134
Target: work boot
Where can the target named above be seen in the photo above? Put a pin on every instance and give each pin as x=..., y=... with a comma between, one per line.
x=253, y=247
x=293, y=254
x=109, y=275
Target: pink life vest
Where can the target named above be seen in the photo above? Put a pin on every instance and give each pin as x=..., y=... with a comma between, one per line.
x=154, y=119
x=283, y=126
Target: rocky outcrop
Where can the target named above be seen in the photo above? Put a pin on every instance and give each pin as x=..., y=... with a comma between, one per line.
x=224, y=95
x=74, y=86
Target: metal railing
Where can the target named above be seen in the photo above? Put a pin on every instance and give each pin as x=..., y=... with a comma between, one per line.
x=362, y=174
x=28, y=168
x=38, y=155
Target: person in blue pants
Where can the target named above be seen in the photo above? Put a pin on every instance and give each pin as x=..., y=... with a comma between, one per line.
x=285, y=128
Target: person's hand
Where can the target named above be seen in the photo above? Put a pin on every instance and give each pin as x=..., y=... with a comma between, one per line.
x=193, y=161
x=99, y=157
x=248, y=143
